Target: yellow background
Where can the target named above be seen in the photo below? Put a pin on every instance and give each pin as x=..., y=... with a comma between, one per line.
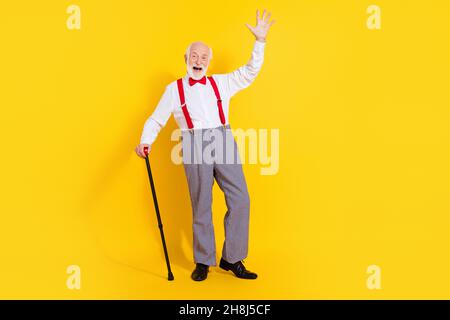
x=364, y=149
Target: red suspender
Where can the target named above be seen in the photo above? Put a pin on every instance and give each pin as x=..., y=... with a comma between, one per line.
x=184, y=107
x=183, y=104
x=219, y=101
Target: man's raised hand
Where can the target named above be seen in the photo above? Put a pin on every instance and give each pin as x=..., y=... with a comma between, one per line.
x=262, y=25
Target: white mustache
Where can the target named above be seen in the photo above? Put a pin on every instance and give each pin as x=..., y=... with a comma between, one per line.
x=190, y=70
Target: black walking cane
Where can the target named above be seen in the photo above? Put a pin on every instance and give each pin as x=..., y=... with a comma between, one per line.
x=155, y=201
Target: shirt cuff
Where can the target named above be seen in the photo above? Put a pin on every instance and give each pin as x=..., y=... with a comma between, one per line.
x=150, y=132
x=259, y=45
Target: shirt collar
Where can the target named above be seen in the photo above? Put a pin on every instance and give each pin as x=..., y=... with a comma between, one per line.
x=187, y=76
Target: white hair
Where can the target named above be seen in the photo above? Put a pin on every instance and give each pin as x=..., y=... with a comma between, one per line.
x=188, y=51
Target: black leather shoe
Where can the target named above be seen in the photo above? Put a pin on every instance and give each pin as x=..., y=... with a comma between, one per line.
x=200, y=272
x=238, y=269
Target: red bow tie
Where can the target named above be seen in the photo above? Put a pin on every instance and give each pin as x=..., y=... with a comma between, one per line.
x=192, y=81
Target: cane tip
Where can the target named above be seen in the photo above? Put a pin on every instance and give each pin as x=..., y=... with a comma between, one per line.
x=171, y=276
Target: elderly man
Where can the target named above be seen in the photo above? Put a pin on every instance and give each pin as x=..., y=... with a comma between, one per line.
x=200, y=107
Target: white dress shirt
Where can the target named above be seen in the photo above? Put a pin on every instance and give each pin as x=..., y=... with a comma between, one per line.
x=200, y=99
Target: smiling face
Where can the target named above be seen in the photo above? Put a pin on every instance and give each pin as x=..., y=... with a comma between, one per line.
x=198, y=60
